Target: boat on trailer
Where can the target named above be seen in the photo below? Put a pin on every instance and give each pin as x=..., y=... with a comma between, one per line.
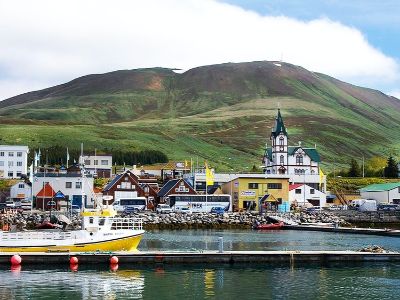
x=101, y=231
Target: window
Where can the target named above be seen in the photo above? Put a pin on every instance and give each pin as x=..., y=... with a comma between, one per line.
x=104, y=162
x=312, y=191
x=10, y=154
x=299, y=159
x=281, y=141
x=68, y=185
x=21, y=185
x=10, y=174
x=96, y=162
x=282, y=159
x=87, y=161
x=297, y=191
x=253, y=185
x=78, y=185
x=1, y=153
x=10, y=163
x=19, y=163
x=1, y=163
x=126, y=185
x=19, y=173
x=275, y=186
x=19, y=154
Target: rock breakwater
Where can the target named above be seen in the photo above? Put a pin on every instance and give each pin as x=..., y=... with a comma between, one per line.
x=26, y=221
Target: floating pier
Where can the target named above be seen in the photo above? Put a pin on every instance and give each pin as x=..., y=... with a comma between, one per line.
x=212, y=257
x=369, y=231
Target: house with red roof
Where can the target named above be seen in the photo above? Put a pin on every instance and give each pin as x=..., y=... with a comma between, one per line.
x=44, y=198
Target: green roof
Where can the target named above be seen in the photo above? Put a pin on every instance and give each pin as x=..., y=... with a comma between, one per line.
x=380, y=187
x=279, y=126
x=311, y=152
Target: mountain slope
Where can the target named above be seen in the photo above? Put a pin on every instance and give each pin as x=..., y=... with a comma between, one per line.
x=219, y=112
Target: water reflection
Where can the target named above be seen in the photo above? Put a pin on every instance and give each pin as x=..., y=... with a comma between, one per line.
x=332, y=281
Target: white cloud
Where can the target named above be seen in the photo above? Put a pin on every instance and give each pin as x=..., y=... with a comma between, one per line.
x=45, y=42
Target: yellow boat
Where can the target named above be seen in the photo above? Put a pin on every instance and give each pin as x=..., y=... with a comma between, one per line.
x=101, y=231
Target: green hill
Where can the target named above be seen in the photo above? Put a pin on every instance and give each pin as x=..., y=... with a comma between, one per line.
x=222, y=113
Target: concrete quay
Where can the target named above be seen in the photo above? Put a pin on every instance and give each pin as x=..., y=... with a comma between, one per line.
x=206, y=257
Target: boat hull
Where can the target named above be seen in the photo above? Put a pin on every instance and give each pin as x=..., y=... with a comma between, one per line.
x=127, y=243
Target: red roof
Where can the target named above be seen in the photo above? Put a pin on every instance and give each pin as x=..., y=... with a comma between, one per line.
x=294, y=186
x=46, y=192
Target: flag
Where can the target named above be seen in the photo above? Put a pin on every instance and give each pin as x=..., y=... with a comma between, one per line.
x=186, y=163
x=31, y=173
x=67, y=154
x=321, y=176
x=209, y=176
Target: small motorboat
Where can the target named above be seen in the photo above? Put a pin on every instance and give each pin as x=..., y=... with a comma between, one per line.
x=271, y=226
x=46, y=225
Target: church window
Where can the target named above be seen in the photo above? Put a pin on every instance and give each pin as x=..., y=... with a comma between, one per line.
x=282, y=159
x=281, y=141
x=299, y=159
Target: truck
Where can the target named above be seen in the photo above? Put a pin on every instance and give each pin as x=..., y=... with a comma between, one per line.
x=364, y=205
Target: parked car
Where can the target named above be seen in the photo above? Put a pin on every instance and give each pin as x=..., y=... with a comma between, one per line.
x=75, y=209
x=388, y=207
x=217, y=210
x=129, y=209
x=10, y=204
x=184, y=210
x=334, y=207
x=163, y=209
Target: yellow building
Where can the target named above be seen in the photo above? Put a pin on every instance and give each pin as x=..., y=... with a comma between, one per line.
x=249, y=190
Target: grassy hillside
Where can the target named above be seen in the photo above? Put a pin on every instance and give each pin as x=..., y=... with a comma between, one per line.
x=222, y=113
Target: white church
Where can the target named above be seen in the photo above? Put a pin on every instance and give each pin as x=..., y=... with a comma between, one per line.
x=301, y=164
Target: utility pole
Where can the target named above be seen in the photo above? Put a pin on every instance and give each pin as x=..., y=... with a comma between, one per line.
x=363, y=167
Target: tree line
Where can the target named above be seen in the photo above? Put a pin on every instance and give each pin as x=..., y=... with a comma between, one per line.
x=374, y=167
x=57, y=155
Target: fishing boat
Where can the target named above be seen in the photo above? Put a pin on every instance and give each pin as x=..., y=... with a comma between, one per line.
x=101, y=231
x=271, y=226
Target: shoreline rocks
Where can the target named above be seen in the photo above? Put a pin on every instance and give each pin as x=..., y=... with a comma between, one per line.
x=151, y=220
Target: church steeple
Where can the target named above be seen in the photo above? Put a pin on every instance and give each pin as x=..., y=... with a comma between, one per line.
x=279, y=126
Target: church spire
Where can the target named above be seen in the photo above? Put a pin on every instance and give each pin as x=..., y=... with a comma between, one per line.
x=279, y=126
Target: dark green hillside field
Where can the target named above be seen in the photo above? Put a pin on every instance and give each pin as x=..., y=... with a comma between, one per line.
x=221, y=113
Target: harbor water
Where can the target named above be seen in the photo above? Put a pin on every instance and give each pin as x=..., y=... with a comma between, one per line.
x=236, y=281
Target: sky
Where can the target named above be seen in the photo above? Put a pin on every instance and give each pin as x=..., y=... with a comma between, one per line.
x=47, y=42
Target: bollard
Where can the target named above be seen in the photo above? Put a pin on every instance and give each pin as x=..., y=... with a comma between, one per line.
x=220, y=244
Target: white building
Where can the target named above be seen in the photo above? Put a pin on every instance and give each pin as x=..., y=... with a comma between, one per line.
x=69, y=184
x=382, y=192
x=21, y=191
x=13, y=161
x=301, y=194
x=98, y=165
x=300, y=163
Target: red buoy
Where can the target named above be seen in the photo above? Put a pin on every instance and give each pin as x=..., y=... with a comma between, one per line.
x=113, y=267
x=113, y=260
x=73, y=260
x=74, y=268
x=16, y=260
